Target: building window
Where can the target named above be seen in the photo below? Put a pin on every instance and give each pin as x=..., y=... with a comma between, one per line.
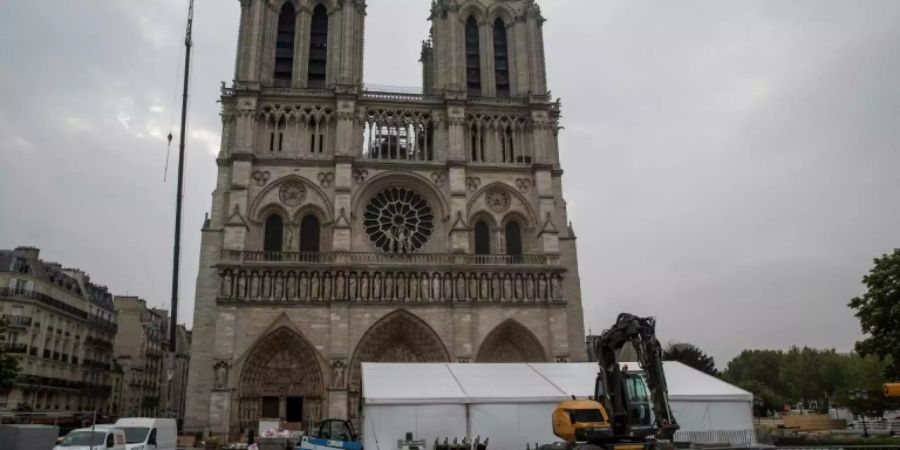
x=513, y=239
x=473, y=58
x=477, y=143
x=318, y=47
x=309, y=234
x=284, y=45
x=482, y=238
x=21, y=287
x=316, y=135
x=501, y=58
x=276, y=136
x=274, y=234
x=508, y=146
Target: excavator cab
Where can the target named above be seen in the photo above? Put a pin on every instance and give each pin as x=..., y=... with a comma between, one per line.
x=892, y=390
x=581, y=421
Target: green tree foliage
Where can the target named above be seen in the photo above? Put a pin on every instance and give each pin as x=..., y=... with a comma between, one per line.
x=878, y=311
x=820, y=377
x=9, y=364
x=692, y=356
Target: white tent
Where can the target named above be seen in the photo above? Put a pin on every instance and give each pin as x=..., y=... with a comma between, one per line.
x=512, y=403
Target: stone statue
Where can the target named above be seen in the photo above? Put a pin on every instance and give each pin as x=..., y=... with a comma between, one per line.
x=314, y=287
x=326, y=287
x=303, y=293
x=291, y=287
x=556, y=288
x=337, y=373
x=226, y=285
x=376, y=287
x=221, y=372
x=352, y=289
x=244, y=287
x=339, y=286
x=364, y=287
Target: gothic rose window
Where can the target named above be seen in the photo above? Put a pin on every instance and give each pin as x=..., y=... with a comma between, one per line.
x=398, y=220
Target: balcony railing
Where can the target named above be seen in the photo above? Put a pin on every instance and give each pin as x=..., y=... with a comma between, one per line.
x=103, y=324
x=418, y=259
x=98, y=343
x=95, y=364
x=34, y=381
x=18, y=348
x=13, y=321
x=43, y=298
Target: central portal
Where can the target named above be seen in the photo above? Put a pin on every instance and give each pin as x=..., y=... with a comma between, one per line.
x=281, y=379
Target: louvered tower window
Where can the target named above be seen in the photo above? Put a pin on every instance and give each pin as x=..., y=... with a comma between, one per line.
x=473, y=58
x=501, y=58
x=284, y=46
x=318, y=47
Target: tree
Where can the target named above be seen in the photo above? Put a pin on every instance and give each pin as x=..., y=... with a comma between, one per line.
x=759, y=371
x=692, y=356
x=9, y=364
x=813, y=377
x=878, y=311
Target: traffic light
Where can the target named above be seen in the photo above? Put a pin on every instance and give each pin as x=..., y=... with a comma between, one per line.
x=892, y=390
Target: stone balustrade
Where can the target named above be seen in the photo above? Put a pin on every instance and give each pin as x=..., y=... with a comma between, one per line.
x=231, y=257
x=274, y=284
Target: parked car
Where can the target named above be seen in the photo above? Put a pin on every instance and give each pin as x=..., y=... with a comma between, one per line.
x=93, y=439
x=147, y=433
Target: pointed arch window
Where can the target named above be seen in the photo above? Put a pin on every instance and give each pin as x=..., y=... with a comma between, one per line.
x=501, y=58
x=318, y=47
x=473, y=58
x=276, y=136
x=309, y=234
x=284, y=45
x=274, y=234
x=482, y=238
x=513, y=239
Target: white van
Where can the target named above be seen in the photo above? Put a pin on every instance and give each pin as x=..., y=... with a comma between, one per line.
x=99, y=438
x=145, y=433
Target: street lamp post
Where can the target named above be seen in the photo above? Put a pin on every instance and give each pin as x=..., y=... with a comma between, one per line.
x=757, y=403
x=861, y=394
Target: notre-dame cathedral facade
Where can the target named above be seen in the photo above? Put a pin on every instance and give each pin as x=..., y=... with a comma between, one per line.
x=353, y=224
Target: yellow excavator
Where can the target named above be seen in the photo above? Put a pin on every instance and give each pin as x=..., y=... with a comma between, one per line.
x=628, y=411
x=892, y=390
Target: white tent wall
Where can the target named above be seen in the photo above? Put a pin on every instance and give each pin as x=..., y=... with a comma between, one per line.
x=512, y=403
x=384, y=425
x=512, y=426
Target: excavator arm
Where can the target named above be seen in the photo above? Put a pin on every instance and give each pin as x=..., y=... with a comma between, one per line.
x=611, y=389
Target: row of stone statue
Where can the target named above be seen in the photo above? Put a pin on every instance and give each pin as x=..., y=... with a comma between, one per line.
x=378, y=286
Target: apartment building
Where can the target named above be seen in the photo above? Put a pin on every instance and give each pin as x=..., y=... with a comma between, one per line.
x=62, y=325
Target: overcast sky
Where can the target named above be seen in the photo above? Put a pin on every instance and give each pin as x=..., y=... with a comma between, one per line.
x=731, y=167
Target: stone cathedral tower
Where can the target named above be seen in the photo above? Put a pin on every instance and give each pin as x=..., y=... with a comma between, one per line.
x=354, y=224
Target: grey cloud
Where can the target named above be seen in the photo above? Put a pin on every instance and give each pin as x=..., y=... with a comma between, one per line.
x=731, y=167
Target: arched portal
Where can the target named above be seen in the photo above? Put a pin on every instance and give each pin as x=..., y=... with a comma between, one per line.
x=398, y=337
x=511, y=342
x=282, y=378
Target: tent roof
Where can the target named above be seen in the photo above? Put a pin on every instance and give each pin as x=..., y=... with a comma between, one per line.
x=425, y=383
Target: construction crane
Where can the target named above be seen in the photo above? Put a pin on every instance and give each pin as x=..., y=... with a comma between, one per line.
x=618, y=416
